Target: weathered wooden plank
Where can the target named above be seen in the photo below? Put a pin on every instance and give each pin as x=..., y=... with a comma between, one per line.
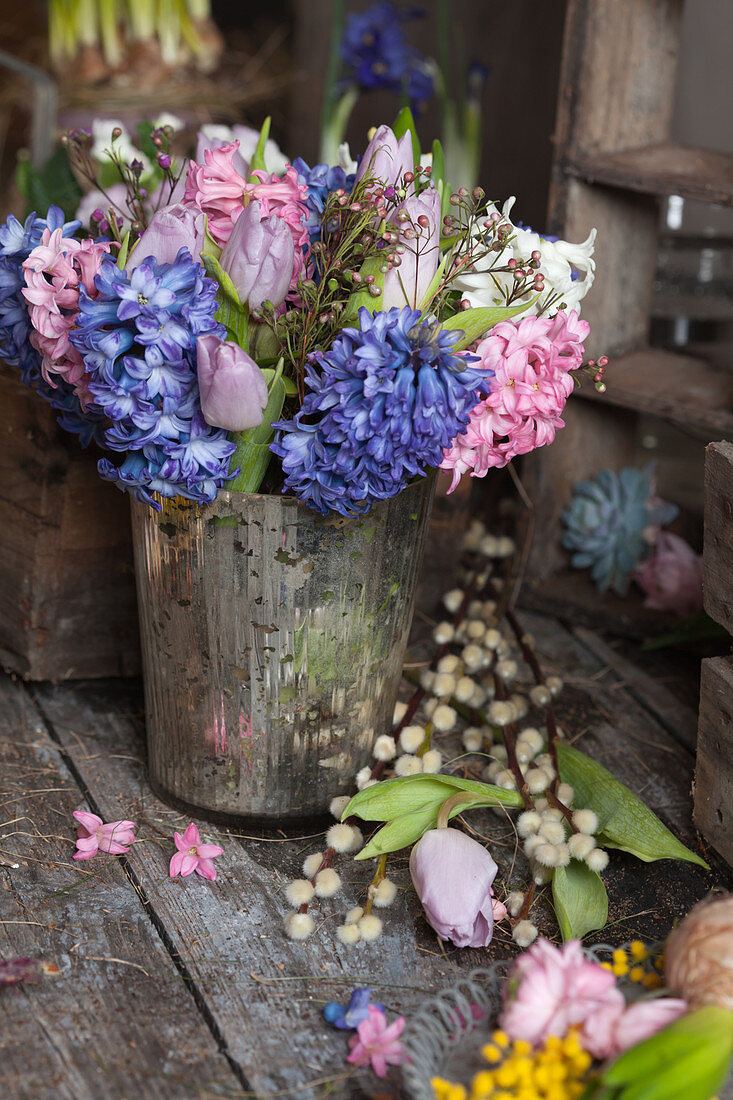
x=714, y=774
x=677, y=719
x=264, y=992
x=67, y=591
x=663, y=168
x=688, y=391
x=119, y=1020
x=717, y=555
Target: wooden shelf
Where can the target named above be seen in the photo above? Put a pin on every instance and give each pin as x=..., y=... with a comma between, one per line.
x=685, y=390
x=662, y=169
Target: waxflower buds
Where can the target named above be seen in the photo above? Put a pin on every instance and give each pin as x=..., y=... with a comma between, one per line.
x=258, y=257
x=452, y=875
x=171, y=229
x=233, y=388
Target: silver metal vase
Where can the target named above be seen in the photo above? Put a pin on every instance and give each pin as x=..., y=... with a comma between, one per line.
x=273, y=640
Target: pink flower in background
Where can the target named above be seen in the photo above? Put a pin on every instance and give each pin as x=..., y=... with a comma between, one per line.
x=377, y=1042
x=643, y=1019
x=671, y=577
x=558, y=988
x=531, y=362
x=192, y=855
x=53, y=272
x=94, y=836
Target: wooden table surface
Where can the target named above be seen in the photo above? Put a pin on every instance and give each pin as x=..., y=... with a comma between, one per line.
x=187, y=989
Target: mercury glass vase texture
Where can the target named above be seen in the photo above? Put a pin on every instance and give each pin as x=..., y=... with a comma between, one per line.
x=273, y=640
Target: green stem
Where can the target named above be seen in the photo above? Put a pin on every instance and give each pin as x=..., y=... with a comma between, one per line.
x=334, y=130
x=332, y=70
x=108, y=31
x=455, y=800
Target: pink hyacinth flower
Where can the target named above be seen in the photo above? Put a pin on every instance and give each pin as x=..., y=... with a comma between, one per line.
x=377, y=1042
x=192, y=855
x=95, y=836
x=217, y=189
x=53, y=272
x=531, y=362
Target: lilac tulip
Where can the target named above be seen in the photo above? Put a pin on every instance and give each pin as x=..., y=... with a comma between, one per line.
x=232, y=387
x=171, y=228
x=407, y=284
x=452, y=875
x=386, y=158
x=258, y=257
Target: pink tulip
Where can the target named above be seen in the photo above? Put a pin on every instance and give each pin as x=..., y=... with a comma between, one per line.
x=387, y=158
x=94, y=836
x=452, y=875
x=407, y=284
x=672, y=577
x=558, y=988
x=192, y=855
x=258, y=257
x=232, y=387
x=170, y=229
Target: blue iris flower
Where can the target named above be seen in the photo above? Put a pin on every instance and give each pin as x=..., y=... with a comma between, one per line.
x=385, y=401
x=349, y=1017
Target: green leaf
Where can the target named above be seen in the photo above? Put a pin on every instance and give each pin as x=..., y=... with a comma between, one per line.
x=52, y=185
x=624, y=821
x=580, y=900
x=252, y=452
x=475, y=322
x=257, y=164
x=395, y=797
x=688, y=1060
x=438, y=173
x=404, y=830
x=124, y=251
x=403, y=124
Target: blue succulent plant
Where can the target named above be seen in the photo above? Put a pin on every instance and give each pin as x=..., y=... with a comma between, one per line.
x=605, y=524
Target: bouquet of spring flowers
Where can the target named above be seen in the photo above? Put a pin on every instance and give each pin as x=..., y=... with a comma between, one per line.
x=331, y=332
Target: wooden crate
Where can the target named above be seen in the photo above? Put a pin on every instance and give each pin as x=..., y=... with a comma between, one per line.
x=714, y=774
x=67, y=588
x=612, y=161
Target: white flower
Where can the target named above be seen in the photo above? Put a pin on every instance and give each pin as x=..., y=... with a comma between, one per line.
x=167, y=119
x=560, y=261
x=345, y=159
x=123, y=146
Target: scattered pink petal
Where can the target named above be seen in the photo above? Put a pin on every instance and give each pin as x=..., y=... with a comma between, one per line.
x=377, y=1042
x=193, y=855
x=94, y=836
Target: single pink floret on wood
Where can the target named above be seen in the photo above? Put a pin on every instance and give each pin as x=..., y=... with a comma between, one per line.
x=377, y=1042
x=95, y=836
x=193, y=855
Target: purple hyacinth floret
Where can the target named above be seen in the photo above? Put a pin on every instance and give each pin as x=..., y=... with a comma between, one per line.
x=320, y=180
x=376, y=53
x=384, y=403
x=138, y=340
x=17, y=241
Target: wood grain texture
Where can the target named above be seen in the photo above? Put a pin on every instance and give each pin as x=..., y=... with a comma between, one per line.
x=661, y=169
x=67, y=590
x=714, y=775
x=97, y=1030
x=717, y=556
x=680, y=388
